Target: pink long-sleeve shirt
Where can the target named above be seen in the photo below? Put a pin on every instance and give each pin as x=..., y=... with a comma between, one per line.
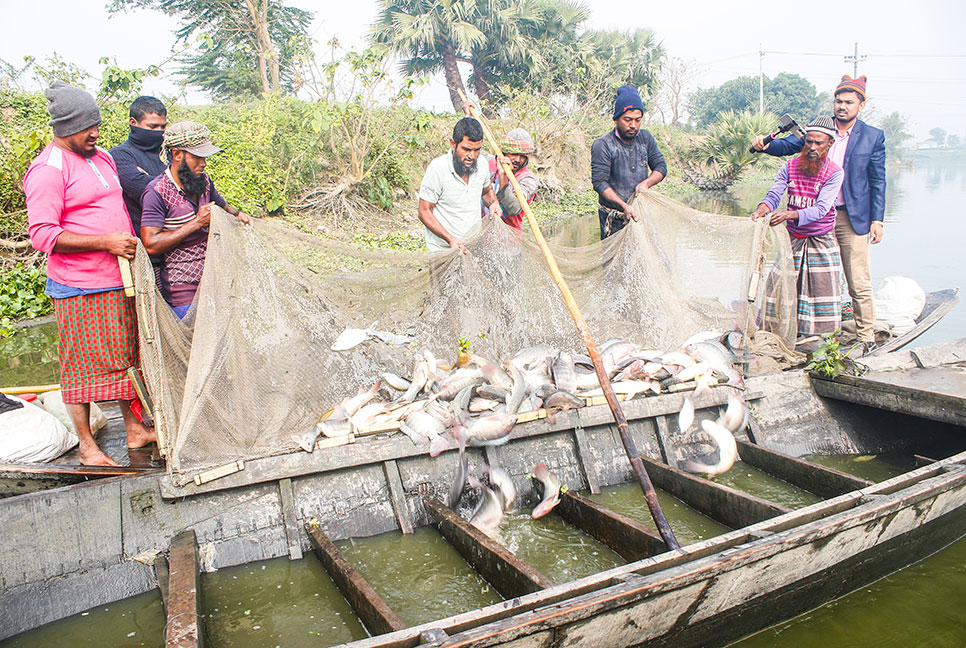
x=68, y=192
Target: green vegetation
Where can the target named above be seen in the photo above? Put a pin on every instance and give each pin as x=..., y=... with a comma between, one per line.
x=786, y=93
x=828, y=358
x=22, y=295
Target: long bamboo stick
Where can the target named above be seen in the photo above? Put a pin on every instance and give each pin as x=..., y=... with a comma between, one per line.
x=629, y=446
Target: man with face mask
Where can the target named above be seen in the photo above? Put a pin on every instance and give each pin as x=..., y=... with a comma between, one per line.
x=138, y=157
x=76, y=216
x=176, y=211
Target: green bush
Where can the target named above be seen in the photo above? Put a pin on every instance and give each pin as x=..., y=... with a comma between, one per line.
x=22, y=294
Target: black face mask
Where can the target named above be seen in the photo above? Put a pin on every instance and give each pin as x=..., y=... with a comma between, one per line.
x=147, y=139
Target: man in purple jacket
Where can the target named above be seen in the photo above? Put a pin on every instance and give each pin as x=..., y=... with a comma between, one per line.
x=860, y=206
x=812, y=181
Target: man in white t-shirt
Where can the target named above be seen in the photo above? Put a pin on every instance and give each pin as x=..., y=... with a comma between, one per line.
x=449, y=196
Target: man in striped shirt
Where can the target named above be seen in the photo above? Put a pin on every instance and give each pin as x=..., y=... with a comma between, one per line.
x=176, y=211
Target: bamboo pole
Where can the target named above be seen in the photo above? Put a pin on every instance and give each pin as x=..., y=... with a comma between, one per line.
x=629, y=446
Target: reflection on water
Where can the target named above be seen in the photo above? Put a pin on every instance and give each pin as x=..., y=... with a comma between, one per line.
x=29, y=357
x=747, y=478
x=420, y=576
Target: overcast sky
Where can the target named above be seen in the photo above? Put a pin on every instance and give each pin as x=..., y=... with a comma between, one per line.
x=916, y=56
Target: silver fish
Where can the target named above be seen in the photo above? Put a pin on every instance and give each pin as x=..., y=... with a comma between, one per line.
x=459, y=483
x=396, y=382
x=727, y=451
x=686, y=415
x=352, y=404
x=480, y=404
x=551, y=490
x=488, y=430
x=489, y=513
x=457, y=381
x=736, y=416
x=493, y=392
x=307, y=439
x=719, y=358
x=519, y=390
x=500, y=479
x=527, y=358
x=463, y=398
x=561, y=400
x=564, y=373
x=421, y=426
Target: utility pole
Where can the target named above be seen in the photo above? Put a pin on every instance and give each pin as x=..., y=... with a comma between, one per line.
x=855, y=58
x=761, y=80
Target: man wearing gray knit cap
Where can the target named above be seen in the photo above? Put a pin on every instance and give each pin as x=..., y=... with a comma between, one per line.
x=76, y=216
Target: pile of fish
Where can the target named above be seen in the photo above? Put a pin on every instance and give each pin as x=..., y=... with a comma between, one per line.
x=476, y=402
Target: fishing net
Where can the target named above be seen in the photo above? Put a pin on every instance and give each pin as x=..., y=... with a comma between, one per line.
x=251, y=365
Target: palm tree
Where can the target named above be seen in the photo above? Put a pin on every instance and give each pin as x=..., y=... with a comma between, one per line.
x=509, y=27
x=430, y=35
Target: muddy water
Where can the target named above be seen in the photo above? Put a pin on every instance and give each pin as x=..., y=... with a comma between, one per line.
x=29, y=357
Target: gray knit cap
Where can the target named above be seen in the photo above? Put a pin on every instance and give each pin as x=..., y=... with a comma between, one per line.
x=71, y=109
x=822, y=125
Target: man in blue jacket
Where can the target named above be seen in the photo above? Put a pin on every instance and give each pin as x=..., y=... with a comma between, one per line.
x=860, y=206
x=138, y=157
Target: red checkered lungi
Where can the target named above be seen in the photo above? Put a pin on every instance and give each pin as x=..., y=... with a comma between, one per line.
x=98, y=342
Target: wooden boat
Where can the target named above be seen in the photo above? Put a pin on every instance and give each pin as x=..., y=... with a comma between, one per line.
x=938, y=303
x=73, y=548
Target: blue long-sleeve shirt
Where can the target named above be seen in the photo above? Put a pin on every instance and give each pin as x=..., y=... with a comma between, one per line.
x=622, y=166
x=136, y=167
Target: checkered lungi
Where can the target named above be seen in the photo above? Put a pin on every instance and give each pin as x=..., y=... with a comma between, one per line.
x=98, y=342
x=819, y=267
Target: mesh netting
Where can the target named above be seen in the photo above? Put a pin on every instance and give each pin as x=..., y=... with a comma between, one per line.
x=251, y=364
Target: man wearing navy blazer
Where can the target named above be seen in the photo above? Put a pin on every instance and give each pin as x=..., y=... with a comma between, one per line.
x=860, y=206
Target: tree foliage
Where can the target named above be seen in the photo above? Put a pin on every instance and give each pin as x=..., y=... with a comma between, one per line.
x=786, y=93
x=938, y=135
x=894, y=126
x=720, y=157
x=247, y=46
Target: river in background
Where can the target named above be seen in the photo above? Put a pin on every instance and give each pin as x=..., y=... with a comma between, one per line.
x=287, y=603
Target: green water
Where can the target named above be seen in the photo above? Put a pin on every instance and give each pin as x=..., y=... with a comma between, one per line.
x=137, y=621
x=749, y=479
x=561, y=552
x=875, y=468
x=920, y=606
x=420, y=576
x=29, y=357
x=688, y=525
x=276, y=603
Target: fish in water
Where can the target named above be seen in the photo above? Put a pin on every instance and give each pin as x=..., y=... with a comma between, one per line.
x=551, y=490
x=459, y=483
x=500, y=479
x=727, y=450
x=489, y=513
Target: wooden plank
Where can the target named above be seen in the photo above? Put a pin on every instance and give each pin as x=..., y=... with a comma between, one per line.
x=731, y=507
x=183, y=628
x=509, y=575
x=586, y=460
x=290, y=518
x=935, y=393
x=934, y=356
x=398, y=496
x=72, y=469
x=663, y=434
x=628, y=538
x=377, y=616
x=815, y=478
x=376, y=449
x=162, y=574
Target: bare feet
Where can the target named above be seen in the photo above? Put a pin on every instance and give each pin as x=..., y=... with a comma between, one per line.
x=138, y=435
x=91, y=455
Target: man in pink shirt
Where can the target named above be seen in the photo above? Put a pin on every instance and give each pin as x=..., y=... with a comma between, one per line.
x=76, y=215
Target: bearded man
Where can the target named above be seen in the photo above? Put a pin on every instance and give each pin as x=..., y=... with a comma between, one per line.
x=517, y=148
x=860, y=206
x=76, y=215
x=812, y=181
x=450, y=193
x=176, y=212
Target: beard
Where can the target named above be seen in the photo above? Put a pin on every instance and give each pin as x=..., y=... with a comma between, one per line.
x=810, y=167
x=193, y=185
x=460, y=168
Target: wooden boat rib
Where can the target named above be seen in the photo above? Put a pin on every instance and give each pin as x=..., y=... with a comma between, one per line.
x=101, y=537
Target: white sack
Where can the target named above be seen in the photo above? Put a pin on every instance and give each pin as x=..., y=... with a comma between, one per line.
x=898, y=302
x=53, y=402
x=31, y=434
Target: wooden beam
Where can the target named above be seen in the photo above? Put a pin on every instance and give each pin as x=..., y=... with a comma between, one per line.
x=72, y=469
x=183, y=628
x=586, y=460
x=815, y=478
x=727, y=505
x=663, y=434
x=509, y=575
x=627, y=537
x=290, y=518
x=398, y=496
x=377, y=616
x=162, y=574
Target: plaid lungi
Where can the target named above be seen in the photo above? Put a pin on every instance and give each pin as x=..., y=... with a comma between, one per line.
x=819, y=267
x=98, y=342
